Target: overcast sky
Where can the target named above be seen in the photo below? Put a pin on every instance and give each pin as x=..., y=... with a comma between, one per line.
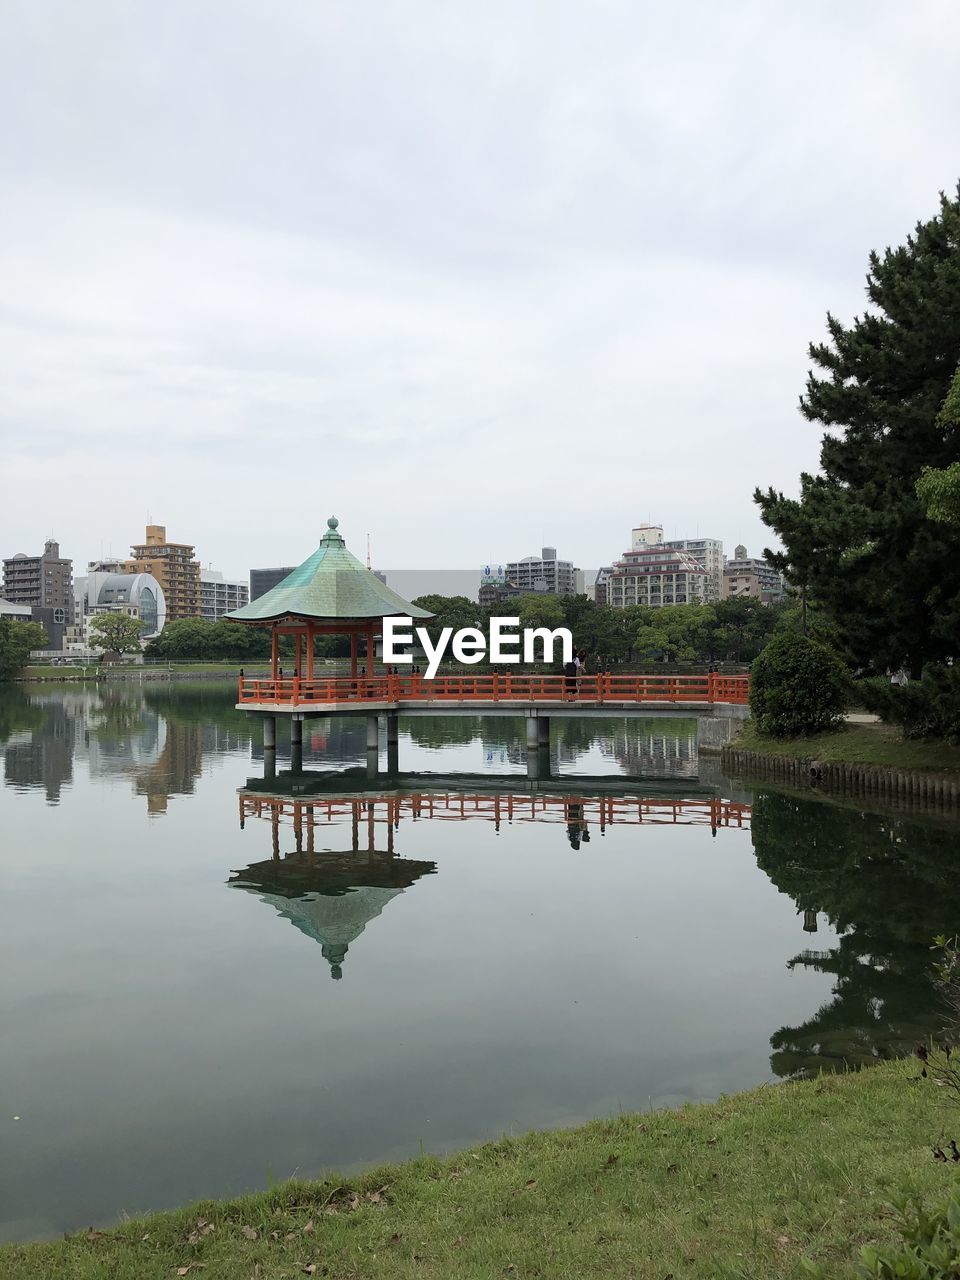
x=472, y=277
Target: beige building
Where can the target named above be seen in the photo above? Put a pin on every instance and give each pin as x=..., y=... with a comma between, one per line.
x=174, y=566
x=751, y=578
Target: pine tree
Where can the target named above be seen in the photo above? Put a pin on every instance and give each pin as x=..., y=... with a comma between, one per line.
x=859, y=540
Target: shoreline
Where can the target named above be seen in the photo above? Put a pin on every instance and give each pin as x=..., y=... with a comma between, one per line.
x=858, y=759
x=745, y=1185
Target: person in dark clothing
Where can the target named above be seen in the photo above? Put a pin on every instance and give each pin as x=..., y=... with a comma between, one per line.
x=570, y=679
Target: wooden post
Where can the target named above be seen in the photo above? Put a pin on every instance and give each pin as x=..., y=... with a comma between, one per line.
x=371, y=653
x=310, y=634
x=353, y=655
x=274, y=647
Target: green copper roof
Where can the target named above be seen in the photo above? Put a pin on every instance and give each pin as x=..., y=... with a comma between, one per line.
x=332, y=586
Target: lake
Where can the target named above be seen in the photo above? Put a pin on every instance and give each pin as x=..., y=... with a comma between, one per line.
x=214, y=973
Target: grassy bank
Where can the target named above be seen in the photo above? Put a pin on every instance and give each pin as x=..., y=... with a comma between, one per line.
x=738, y=1188
x=874, y=744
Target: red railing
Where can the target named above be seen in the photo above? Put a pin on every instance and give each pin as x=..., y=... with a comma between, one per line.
x=590, y=690
x=497, y=807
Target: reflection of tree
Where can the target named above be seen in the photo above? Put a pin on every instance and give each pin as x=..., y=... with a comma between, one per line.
x=46, y=759
x=888, y=885
x=448, y=731
x=17, y=712
x=117, y=716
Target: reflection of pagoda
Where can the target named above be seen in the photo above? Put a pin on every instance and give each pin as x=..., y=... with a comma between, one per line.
x=331, y=897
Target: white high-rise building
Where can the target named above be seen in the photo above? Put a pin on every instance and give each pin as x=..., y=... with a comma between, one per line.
x=217, y=596
x=708, y=553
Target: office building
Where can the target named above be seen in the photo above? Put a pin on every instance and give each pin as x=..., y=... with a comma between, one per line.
x=545, y=573
x=175, y=568
x=754, y=579
x=264, y=580
x=217, y=596
x=42, y=582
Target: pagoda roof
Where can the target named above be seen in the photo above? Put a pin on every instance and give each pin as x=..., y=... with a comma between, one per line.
x=331, y=586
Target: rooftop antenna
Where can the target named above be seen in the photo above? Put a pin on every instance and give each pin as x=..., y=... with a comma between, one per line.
x=368, y=552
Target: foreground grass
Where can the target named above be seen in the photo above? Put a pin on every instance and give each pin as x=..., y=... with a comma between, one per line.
x=737, y=1188
x=855, y=744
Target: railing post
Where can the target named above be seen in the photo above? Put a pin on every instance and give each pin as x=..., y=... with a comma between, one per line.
x=712, y=686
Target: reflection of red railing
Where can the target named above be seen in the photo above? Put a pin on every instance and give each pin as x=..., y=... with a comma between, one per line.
x=456, y=806
x=588, y=690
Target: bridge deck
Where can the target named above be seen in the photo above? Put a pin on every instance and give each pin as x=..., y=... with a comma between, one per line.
x=494, y=692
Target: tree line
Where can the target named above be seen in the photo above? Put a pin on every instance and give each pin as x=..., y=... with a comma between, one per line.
x=728, y=631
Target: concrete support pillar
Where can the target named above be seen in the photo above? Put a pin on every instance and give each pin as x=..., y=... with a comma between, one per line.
x=296, y=757
x=393, y=756
x=373, y=762
x=269, y=766
x=269, y=733
x=373, y=733
x=533, y=734
x=538, y=762
x=393, y=727
x=543, y=723
x=713, y=733
x=296, y=732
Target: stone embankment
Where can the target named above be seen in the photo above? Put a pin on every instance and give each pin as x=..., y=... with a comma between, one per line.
x=923, y=787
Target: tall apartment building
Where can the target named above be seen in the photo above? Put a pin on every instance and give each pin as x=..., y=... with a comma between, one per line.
x=43, y=582
x=545, y=573
x=752, y=578
x=264, y=580
x=654, y=574
x=217, y=596
x=708, y=553
x=174, y=566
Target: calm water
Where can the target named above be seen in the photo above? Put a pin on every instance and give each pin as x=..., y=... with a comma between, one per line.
x=202, y=988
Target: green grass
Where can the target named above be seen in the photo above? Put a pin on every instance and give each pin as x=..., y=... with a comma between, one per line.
x=737, y=1188
x=855, y=744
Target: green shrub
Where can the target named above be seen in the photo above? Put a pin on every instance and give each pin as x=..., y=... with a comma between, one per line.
x=930, y=1248
x=797, y=686
x=927, y=708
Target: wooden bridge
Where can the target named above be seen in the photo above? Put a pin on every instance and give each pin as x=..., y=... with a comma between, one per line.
x=576, y=811
x=715, y=700
x=389, y=692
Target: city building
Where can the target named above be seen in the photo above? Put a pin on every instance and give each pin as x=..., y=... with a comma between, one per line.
x=264, y=580
x=708, y=553
x=103, y=590
x=652, y=573
x=217, y=596
x=43, y=582
x=755, y=579
x=175, y=568
x=545, y=573
x=498, y=592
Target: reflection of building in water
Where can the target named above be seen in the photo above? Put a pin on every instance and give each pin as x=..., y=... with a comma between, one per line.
x=118, y=734
x=653, y=749
x=330, y=896
x=43, y=757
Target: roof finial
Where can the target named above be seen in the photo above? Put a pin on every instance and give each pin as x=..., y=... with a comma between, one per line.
x=332, y=523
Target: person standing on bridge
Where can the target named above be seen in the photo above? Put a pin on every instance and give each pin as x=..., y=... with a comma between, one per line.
x=581, y=661
x=570, y=679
